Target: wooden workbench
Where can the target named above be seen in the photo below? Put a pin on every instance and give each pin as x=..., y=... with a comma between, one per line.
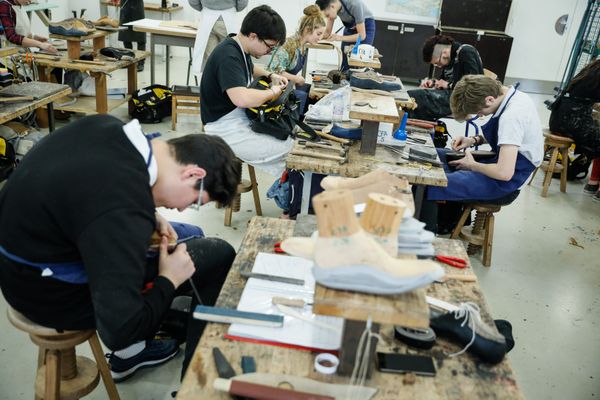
x=147, y=7
x=44, y=94
x=375, y=64
x=376, y=110
x=8, y=51
x=457, y=378
x=100, y=104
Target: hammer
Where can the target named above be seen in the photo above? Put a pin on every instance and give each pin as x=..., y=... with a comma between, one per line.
x=341, y=160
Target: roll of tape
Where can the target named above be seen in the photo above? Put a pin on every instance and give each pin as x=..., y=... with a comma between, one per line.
x=326, y=363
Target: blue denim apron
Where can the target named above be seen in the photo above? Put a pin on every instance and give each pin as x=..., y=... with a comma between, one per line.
x=301, y=92
x=471, y=185
x=74, y=271
x=350, y=29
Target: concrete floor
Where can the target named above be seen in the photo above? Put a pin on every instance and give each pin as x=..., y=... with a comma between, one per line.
x=546, y=287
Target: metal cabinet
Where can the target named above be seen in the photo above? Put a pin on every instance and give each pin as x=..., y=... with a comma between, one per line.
x=401, y=44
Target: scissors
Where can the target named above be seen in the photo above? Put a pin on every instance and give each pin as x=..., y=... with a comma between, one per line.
x=455, y=262
x=277, y=248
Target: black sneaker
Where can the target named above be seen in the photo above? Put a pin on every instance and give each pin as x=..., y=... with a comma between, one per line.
x=156, y=352
x=591, y=189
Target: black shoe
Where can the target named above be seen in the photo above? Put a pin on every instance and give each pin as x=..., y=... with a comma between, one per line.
x=156, y=352
x=119, y=54
x=465, y=327
x=140, y=67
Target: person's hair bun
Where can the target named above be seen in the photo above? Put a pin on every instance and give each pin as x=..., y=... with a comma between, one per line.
x=312, y=10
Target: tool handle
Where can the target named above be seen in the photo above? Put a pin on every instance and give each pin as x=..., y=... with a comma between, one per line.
x=460, y=277
x=316, y=155
x=286, y=301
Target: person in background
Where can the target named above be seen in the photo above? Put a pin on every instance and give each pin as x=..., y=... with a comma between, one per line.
x=132, y=10
x=225, y=80
x=455, y=60
x=288, y=60
x=17, y=27
x=75, y=236
x=514, y=134
x=358, y=22
x=572, y=116
x=217, y=19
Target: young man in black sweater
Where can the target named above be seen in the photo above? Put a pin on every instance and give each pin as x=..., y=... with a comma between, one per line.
x=76, y=219
x=455, y=61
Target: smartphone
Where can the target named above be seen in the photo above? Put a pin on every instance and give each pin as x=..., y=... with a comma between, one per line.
x=402, y=363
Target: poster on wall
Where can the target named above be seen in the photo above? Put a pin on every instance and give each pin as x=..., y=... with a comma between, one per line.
x=421, y=9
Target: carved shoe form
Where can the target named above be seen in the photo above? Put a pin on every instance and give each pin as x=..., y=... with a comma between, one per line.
x=348, y=257
x=106, y=21
x=72, y=27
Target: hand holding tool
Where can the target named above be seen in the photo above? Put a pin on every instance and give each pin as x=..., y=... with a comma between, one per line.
x=455, y=262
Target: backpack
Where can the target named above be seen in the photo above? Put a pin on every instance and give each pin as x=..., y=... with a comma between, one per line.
x=152, y=103
x=577, y=167
x=278, y=117
x=7, y=159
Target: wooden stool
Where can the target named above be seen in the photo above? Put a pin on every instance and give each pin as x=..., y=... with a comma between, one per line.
x=557, y=144
x=481, y=234
x=61, y=374
x=244, y=187
x=185, y=100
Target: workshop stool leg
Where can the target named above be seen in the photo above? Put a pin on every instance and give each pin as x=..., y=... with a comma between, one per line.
x=488, y=238
x=109, y=384
x=461, y=222
x=478, y=227
x=255, y=193
x=549, y=172
x=174, y=112
x=564, y=151
x=52, y=390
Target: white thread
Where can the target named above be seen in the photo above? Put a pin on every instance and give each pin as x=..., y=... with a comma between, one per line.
x=468, y=311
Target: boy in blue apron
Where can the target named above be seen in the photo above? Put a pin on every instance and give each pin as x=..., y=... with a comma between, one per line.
x=75, y=231
x=513, y=132
x=358, y=22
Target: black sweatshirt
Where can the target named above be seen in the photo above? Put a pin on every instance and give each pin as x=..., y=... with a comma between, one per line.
x=83, y=193
x=468, y=63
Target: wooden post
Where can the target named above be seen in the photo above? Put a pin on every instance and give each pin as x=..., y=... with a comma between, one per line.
x=101, y=92
x=335, y=213
x=73, y=49
x=99, y=43
x=368, y=141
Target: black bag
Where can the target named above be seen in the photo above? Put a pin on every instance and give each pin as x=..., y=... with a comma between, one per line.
x=151, y=104
x=278, y=117
x=577, y=168
x=7, y=159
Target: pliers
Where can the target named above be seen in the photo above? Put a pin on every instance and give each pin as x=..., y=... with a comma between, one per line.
x=455, y=262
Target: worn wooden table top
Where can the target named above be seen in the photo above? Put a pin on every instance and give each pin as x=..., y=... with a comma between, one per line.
x=376, y=64
x=8, y=51
x=108, y=66
x=93, y=35
x=42, y=92
x=457, y=378
x=159, y=27
x=361, y=164
x=371, y=107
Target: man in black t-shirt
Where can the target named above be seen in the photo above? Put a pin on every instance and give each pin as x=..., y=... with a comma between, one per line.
x=225, y=94
x=455, y=60
x=76, y=220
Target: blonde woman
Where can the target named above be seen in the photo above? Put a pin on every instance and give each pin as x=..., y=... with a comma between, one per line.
x=289, y=59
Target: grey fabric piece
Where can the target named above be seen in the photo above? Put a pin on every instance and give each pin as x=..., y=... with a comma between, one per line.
x=218, y=4
x=217, y=35
x=422, y=237
x=366, y=279
x=357, y=12
x=410, y=225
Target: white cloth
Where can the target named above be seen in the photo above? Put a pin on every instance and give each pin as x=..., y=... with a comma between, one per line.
x=133, y=131
x=207, y=20
x=261, y=151
x=520, y=125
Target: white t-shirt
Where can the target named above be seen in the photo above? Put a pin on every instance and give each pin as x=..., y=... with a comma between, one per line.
x=520, y=125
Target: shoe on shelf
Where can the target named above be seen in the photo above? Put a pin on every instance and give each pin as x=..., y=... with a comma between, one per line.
x=140, y=67
x=155, y=353
x=591, y=189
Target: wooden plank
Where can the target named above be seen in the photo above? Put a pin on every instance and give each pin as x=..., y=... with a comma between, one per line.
x=376, y=64
x=8, y=51
x=159, y=29
x=148, y=7
x=380, y=108
x=460, y=377
x=87, y=105
x=360, y=164
x=109, y=65
x=92, y=35
x=43, y=92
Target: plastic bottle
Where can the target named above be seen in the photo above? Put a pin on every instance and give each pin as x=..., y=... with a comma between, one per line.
x=400, y=133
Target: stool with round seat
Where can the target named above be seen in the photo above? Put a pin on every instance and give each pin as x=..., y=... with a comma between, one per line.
x=481, y=234
x=244, y=187
x=558, y=144
x=61, y=374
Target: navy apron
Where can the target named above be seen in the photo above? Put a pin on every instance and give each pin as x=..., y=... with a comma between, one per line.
x=74, y=271
x=471, y=185
x=301, y=92
x=350, y=29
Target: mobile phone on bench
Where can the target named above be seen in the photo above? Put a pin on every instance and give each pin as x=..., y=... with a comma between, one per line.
x=403, y=363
